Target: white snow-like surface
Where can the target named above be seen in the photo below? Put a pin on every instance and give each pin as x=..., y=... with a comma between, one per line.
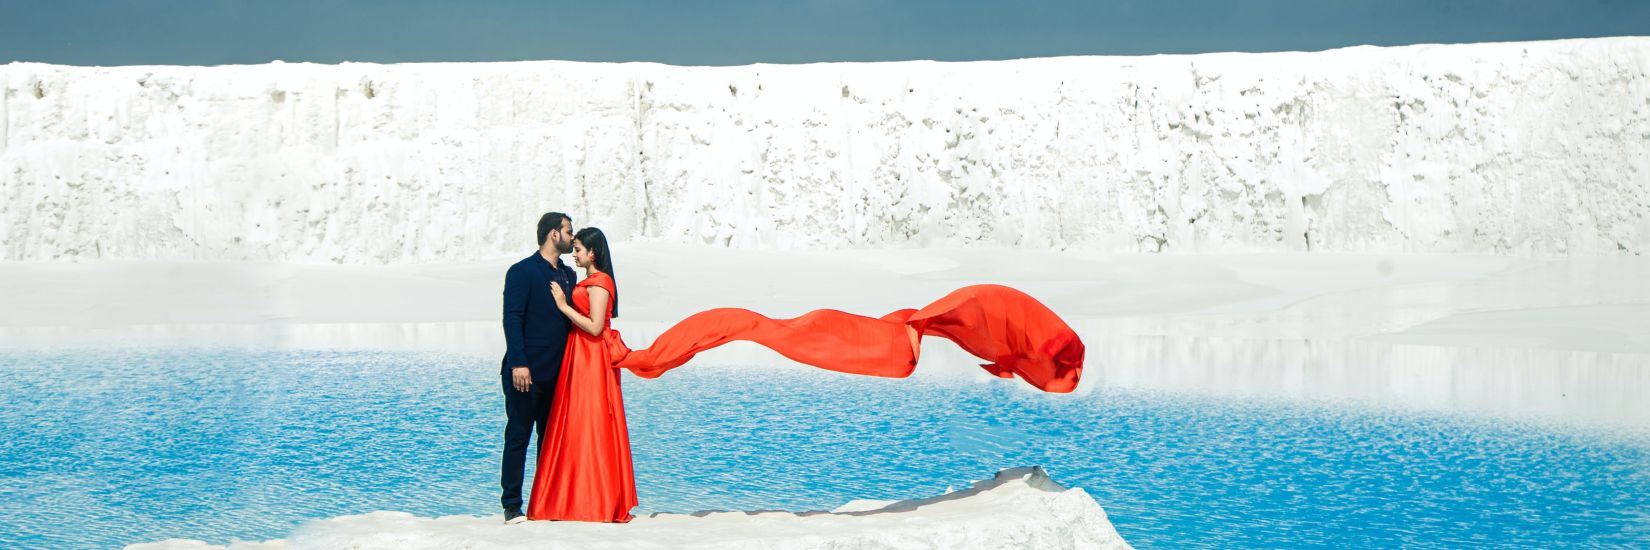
x=1538, y=148
x=1019, y=508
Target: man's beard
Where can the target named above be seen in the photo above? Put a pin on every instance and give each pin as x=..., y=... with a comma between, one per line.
x=565, y=247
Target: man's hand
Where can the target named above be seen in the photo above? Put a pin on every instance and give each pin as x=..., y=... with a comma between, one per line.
x=522, y=378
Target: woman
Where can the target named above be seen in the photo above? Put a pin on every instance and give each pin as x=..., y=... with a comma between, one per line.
x=584, y=471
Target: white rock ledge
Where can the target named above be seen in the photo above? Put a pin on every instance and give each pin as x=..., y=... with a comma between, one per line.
x=1018, y=508
x=1525, y=148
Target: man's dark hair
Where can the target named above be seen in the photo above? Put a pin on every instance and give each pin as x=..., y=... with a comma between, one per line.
x=550, y=221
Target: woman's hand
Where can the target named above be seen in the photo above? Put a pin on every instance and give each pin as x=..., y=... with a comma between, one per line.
x=561, y=297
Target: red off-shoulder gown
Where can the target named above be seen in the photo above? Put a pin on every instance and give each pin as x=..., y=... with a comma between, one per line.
x=584, y=471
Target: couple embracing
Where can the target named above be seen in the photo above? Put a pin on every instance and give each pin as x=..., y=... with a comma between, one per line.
x=560, y=384
x=561, y=367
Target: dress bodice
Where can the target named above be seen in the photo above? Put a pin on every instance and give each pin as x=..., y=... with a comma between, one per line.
x=581, y=295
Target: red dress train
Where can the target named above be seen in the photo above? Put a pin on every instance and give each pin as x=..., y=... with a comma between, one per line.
x=1016, y=333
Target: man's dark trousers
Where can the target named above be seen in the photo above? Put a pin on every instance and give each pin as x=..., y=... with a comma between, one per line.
x=527, y=413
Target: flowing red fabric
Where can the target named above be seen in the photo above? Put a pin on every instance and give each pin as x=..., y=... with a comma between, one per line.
x=1016, y=333
x=584, y=471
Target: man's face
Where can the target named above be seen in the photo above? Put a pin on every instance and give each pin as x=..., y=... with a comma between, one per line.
x=563, y=237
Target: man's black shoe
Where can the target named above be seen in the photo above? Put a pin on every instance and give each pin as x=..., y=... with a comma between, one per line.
x=513, y=516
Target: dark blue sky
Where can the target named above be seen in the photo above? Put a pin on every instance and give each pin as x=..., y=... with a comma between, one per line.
x=684, y=32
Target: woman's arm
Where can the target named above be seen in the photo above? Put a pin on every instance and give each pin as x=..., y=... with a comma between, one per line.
x=597, y=320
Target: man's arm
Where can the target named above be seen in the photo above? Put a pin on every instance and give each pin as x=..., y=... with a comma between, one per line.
x=516, y=288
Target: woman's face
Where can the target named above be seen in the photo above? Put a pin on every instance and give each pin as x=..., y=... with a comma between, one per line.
x=582, y=256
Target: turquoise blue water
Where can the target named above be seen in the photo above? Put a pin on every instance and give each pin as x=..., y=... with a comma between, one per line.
x=108, y=448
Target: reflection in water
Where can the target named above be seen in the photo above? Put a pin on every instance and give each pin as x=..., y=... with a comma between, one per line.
x=1586, y=388
x=1565, y=387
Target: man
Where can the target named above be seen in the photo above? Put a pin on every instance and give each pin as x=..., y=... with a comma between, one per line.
x=535, y=334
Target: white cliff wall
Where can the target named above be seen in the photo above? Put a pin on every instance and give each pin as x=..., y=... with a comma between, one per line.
x=1519, y=148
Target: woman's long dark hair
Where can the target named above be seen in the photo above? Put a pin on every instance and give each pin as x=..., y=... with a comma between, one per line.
x=596, y=242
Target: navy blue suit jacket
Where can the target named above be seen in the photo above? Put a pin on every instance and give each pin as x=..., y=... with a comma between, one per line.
x=535, y=332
